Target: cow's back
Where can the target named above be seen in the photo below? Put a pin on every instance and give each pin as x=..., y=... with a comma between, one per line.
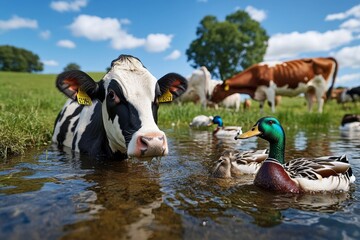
x=291, y=73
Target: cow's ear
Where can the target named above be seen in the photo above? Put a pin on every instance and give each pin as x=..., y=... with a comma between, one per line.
x=71, y=82
x=172, y=85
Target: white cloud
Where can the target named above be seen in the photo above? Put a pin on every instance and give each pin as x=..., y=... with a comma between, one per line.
x=95, y=28
x=125, y=21
x=67, y=6
x=351, y=24
x=51, y=63
x=256, y=14
x=290, y=45
x=158, y=42
x=66, y=44
x=174, y=55
x=348, y=57
x=354, y=11
x=45, y=34
x=101, y=29
x=124, y=40
x=348, y=78
x=17, y=22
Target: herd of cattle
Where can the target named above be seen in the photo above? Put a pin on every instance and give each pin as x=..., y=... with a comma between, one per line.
x=116, y=117
x=269, y=81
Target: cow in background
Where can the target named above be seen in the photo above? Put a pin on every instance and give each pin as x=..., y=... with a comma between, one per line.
x=262, y=81
x=115, y=117
x=336, y=94
x=350, y=95
x=247, y=104
x=200, y=88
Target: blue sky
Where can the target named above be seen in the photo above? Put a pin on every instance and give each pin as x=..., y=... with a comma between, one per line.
x=91, y=33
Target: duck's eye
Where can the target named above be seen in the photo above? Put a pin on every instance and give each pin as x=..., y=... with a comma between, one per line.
x=271, y=122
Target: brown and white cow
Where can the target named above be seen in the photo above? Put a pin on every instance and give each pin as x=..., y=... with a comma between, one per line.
x=115, y=117
x=262, y=81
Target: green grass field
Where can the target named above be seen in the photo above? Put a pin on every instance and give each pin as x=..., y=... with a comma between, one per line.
x=29, y=104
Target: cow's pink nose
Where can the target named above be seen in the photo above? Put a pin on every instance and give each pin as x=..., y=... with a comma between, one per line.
x=151, y=145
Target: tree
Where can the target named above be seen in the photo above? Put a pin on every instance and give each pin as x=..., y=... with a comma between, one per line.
x=19, y=60
x=228, y=47
x=71, y=66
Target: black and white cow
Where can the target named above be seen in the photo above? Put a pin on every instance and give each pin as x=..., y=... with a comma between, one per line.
x=119, y=118
x=350, y=95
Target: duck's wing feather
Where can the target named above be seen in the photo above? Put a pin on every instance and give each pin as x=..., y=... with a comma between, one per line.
x=247, y=157
x=318, y=168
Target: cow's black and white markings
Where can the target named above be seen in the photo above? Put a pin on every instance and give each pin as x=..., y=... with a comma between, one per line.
x=122, y=119
x=350, y=95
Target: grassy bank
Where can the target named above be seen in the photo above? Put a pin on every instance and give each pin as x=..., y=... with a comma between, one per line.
x=292, y=113
x=29, y=104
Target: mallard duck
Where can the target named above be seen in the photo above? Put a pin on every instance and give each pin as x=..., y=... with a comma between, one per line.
x=350, y=122
x=221, y=131
x=298, y=175
x=235, y=163
x=201, y=121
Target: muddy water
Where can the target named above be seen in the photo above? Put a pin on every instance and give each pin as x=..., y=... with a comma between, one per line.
x=49, y=194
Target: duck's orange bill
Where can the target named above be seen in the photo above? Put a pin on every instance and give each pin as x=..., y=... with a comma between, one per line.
x=251, y=133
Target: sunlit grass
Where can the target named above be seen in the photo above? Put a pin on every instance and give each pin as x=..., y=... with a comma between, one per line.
x=29, y=104
x=292, y=113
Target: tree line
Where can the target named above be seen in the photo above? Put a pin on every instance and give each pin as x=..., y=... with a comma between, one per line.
x=19, y=60
x=224, y=47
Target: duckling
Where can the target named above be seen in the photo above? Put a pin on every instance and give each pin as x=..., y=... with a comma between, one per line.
x=350, y=122
x=221, y=131
x=299, y=175
x=235, y=163
x=201, y=121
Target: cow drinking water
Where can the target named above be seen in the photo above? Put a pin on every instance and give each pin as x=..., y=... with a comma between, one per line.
x=117, y=116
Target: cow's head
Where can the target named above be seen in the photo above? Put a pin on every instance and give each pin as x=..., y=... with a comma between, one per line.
x=221, y=91
x=130, y=97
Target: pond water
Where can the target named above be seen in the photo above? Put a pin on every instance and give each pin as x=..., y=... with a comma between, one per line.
x=49, y=194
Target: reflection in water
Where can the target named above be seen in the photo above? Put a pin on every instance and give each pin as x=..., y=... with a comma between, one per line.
x=43, y=193
x=300, y=141
x=351, y=135
x=63, y=195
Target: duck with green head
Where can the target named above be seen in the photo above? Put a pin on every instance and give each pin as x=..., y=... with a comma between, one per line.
x=298, y=175
x=222, y=131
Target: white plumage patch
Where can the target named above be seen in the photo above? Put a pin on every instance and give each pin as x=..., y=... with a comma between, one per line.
x=332, y=183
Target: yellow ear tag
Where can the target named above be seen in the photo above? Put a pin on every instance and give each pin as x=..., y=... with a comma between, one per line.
x=83, y=98
x=226, y=88
x=166, y=97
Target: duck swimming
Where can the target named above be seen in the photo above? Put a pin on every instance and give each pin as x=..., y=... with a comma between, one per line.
x=221, y=131
x=350, y=122
x=235, y=163
x=298, y=175
x=201, y=121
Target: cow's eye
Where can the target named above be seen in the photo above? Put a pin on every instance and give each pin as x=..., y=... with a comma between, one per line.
x=113, y=97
